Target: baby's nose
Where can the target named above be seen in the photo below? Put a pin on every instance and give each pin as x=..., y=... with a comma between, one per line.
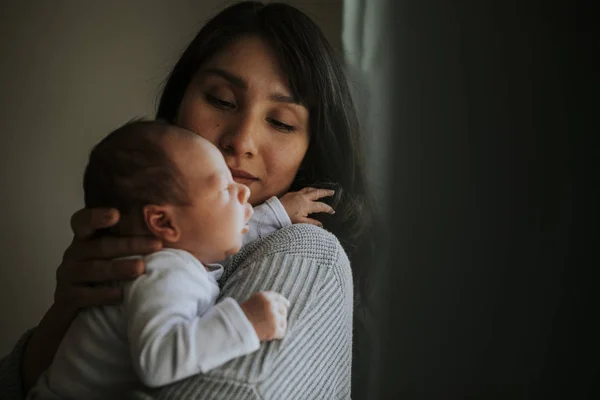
x=243, y=193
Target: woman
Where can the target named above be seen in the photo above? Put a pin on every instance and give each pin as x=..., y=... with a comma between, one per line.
x=262, y=83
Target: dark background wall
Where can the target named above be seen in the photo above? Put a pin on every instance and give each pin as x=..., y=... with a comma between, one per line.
x=488, y=291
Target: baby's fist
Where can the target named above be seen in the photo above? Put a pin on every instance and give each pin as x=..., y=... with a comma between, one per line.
x=267, y=312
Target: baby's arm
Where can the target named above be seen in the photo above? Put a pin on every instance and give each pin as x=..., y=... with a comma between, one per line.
x=268, y=217
x=173, y=329
x=293, y=207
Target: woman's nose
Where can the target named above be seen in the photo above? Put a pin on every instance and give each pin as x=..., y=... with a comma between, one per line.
x=240, y=136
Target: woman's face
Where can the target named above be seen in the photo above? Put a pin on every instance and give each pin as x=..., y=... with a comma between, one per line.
x=240, y=101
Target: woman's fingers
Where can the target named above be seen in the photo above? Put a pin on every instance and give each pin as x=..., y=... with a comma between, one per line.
x=88, y=220
x=112, y=247
x=89, y=262
x=99, y=271
x=88, y=296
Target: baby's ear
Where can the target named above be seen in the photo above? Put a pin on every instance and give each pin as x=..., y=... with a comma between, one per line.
x=161, y=221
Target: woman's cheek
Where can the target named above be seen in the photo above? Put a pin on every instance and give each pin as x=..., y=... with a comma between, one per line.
x=204, y=125
x=285, y=172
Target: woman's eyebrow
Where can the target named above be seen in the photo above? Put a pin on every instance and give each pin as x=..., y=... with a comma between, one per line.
x=233, y=79
x=282, y=98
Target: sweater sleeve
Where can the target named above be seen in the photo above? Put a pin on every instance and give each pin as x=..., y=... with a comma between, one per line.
x=10, y=371
x=308, y=266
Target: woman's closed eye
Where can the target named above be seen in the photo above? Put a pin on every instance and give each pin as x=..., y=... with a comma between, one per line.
x=219, y=103
x=281, y=125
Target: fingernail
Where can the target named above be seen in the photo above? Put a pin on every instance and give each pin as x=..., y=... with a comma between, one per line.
x=139, y=269
x=108, y=216
x=332, y=212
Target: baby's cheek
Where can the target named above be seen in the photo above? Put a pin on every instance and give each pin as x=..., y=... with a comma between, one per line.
x=234, y=250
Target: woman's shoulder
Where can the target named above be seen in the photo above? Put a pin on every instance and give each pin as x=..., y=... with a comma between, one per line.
x=299, y=250
x=303, y=240
x=299, y=240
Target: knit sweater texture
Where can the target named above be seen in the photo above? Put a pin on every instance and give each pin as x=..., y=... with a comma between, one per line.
x=307, y=265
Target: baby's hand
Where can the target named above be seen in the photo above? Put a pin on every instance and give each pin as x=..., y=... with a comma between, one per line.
x=267, y=312
x=300, y=204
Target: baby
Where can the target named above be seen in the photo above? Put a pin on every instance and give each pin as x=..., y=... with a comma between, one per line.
x=173, y=184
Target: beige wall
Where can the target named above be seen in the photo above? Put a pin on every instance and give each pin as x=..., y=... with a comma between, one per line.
x=70, y=71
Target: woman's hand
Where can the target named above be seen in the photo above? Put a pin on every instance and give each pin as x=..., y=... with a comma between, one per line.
x=88, y=263
x=81, y=282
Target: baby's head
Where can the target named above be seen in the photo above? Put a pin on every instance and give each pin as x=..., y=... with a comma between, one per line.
x=170, y=183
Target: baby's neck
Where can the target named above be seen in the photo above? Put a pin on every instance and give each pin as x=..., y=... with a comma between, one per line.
x=130, y=225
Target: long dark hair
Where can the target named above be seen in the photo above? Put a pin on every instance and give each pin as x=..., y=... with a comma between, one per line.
x=317, y=78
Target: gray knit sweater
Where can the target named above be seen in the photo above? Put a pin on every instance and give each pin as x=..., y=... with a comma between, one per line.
x=308, y=266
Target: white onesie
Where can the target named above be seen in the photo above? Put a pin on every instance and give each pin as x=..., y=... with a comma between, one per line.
x=167, y=328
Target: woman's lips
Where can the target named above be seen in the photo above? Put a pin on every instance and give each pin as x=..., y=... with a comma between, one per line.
x=244, y=181
x=243, y=177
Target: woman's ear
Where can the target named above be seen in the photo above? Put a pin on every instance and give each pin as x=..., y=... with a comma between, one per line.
x=161, y=221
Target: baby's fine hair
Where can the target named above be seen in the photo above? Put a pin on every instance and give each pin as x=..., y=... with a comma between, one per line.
x=129, y=169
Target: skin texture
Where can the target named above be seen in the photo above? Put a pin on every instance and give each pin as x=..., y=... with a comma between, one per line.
x=299, y=205
x=239, y=101
x=212, y=226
